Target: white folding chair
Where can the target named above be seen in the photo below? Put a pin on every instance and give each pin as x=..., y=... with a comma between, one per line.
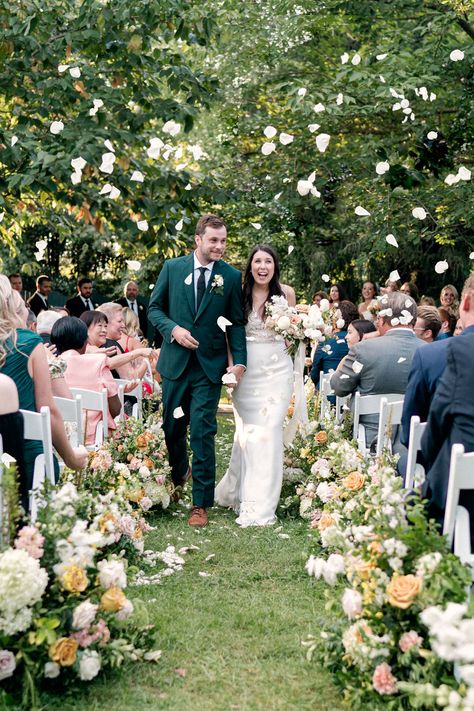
x=324, y=391
x=93, y=400
x=71, y=411
x=342, y=404
x=456, y=518
x=367, y=405
x=390, y=415
x=137, y=392
x=415, y=474
x=37, y=425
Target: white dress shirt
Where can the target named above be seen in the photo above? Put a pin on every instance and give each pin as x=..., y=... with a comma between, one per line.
x=197, y=273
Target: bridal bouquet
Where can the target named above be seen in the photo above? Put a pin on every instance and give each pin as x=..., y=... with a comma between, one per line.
x=292, y=324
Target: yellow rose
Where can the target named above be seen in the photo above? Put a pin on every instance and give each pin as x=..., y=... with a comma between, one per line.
x=321, y=437
x=354, y=481
x=113, y=600
x=148, y=463
x=402, y=590
x=104, y=520
x=376, y=548
x=64, y=651
x=141, y=441
x=137, y=533
x=74, y=579
x=325, y=521
x=363, y=568
x=136, y=495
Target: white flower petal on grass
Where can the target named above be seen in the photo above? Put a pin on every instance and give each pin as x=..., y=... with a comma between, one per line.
x=172, y=128
x=223, y=322
x=114, y=193
x=14, y=139
x=313, y=127
x=106, y=189
x=56, y=127
x=283, y=535
x=382, y=167
x=286, y=138
x=78, y=163
x=137, y=176
x=268, y=148
x=357, y=367
x=441, y=267
x=178, y=412
x=189, y=279
x=76, y=177
x=269, y=131
x=75, y=72
x=419, y=213
x=390, y=239
x=256, y=225
x=302, y=91
x=380, y=57
x=464, y=173
x=142, y=225
x=344, y=58
x=394, y=276
x=107, y=165
x=457, y=55
x=318, y=108
x=340, y=99
x=356, y=59
x=432, y=135
x=203, y=574
x=322, y=141
x=361, y=211
x=325, y=277
x=63, y=68
x=133, y=264
x=290, y=249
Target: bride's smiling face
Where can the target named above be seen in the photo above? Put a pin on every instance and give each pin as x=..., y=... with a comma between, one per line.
x=263, y=267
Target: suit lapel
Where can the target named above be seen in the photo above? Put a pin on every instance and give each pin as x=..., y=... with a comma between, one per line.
x=207, y=294
x=189, y=288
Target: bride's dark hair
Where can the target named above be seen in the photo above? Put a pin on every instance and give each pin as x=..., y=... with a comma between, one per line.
x=274, y=287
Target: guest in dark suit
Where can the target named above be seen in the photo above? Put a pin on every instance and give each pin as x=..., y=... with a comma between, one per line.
x=329, y=354
x=130, y=299
x=450, y=421
x=76, y=305
x=39, y=301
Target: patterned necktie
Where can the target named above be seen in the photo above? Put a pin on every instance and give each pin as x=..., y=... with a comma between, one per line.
x=200, y=287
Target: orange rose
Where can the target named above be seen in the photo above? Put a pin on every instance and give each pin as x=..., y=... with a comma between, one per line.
x=354, y=481
x=141, y=441
x=74, y=579
x=302, y=308
x=321, y=437
x=148, y=463
x=113, y=600
x=136, y=495
x=375, y=547
x=403, y=589
x=64, y=651
x=363, y=568
x=325, y=521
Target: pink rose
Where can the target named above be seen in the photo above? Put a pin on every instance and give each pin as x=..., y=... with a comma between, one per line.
x=160, y=479
x=135, y=463
x=383, y=680
x=101, y=461
x=30, y=540
x=127, y=525
x=408, y=640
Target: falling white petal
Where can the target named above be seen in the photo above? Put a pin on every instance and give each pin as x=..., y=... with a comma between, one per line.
x=318, y=108
x=108, y=145
x=432, y=96
x=303, y=187
x=75, y=72
x=2, y=215
x=302, y=91
x=401, y=359
x=322, y=141
x=268, y=148
x=344, y=58
x=419, y=213
x=382, y=167
x=451, y=179
x=256, y=225
x=76, y=177
x=270, y=132
x=394, y=276
x=464, y=173
x=56, y=127
x=325, y=277
x=106, y=189
x=189, y=279
x=340, y=99
x=396, y=107
x=223, y=322
x=382, y=79
x=313, y=127
x=457, y=55
x=441, y=267
x=137, y=176
x=142, y=225
x=14, y=140
x=379, y=57
x=286, y=138
x=172, y=128
x=361, y=211
x=356, y=59
x=188, y=187
x=404, y=103
x=178, y=412
x=277, y=196
x=390, y=239
x=41, y=244
x=62, y=68
x=114, y=193
x=432, y=135
x=133, y=264
x=315, y=192
x=471, y=256
x=179, y=225
x=290, y=248
x=78, y=163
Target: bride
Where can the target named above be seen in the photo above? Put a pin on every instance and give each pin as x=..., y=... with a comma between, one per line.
x=252, y=483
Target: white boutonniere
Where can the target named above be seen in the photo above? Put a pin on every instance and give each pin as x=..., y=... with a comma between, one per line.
x=217, y=285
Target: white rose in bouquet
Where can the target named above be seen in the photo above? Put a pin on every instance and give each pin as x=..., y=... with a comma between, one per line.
x=112, y=573
x=283, y=323
x=352, y=603
x=84, y=615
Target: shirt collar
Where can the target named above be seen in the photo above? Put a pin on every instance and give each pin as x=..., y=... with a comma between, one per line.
x=197, y=264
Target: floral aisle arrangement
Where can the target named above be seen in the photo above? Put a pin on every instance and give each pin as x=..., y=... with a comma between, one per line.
x=64, y=610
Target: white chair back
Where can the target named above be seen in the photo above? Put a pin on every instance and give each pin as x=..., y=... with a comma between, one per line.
x=342, y=405
x=415, y=474
x=390, y=415
x=37, y=425
x=137, y=392
x=71, y=411
x=93, y=400
x=324, y=390
x=367, y=405
x=456, y=518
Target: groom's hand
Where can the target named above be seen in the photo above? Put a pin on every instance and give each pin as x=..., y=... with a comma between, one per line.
x=238, y=371
x=183, y=337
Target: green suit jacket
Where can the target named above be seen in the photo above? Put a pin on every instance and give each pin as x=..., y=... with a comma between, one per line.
x=172, y=304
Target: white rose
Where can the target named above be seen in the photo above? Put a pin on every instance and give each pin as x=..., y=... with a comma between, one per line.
x=144, y=471
x=324, y=305
x=84, y=615
x=325, y=492
x=51, y=670
x=283, y=323
x=7, y=663
x=89, y=665
x=125, y=611
x=112, y=573
x=352, y=603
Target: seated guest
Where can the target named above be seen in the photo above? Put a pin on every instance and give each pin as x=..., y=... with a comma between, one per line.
x=82, y=301
x=11, y=432
x=44, y=323
x=426, y=301
x=329, y=353
x=115, y=325
x=319, y=296
x=381, y=365
x=23, y=359
x=39, y=300
x=130, y=336
x=450, y=421
x=410, y=288
x=337, y=293
x=357, y=330
x=448, y=323
x=31, y=321
x=428, y=323
x=459, y=328
x=85, y=370
x=429, y=363
x=369, y=294
x=130, y=300
x=449, y=298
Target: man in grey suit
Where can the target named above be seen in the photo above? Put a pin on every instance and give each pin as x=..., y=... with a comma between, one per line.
x=381, y=365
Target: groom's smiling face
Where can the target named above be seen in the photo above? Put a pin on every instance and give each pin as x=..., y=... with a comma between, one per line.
x=210, y=246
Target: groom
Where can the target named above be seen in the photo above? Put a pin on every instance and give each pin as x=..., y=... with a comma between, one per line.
x=190, y=297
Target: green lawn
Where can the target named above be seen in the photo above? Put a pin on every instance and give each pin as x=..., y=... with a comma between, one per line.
x=231, y=640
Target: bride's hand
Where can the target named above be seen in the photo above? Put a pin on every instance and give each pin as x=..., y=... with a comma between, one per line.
x=238, y=371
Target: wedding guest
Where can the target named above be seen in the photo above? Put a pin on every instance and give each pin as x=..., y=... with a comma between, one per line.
x=357, y=330
x=449, y=298
x=16, y=282
x=39, y=300
x=410, y=288
x=319, y=296
x=448, y=323
x=390, y=285
x=426, y=301
x=381, y=364
x=131, y=301
x=337, y=293
x=329, y=353
x=459, y=328
x=85, y=370
x=369, y=293
x=23, y=358
x=82, y=301
x=428, y=323
x=130, y=336
x=45, y=322
x=31, y=321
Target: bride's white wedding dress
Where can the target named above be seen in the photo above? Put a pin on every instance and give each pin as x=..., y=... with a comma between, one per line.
x=252, y=483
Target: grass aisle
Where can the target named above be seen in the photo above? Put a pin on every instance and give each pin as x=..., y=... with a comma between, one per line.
x=231, y=640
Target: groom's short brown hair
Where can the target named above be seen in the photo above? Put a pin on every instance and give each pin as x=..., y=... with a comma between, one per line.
x=208, y=221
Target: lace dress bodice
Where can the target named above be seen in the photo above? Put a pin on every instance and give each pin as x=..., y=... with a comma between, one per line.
x=256, y=332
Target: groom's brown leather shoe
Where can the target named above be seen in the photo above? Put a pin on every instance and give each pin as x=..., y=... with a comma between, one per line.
x=198, y=517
